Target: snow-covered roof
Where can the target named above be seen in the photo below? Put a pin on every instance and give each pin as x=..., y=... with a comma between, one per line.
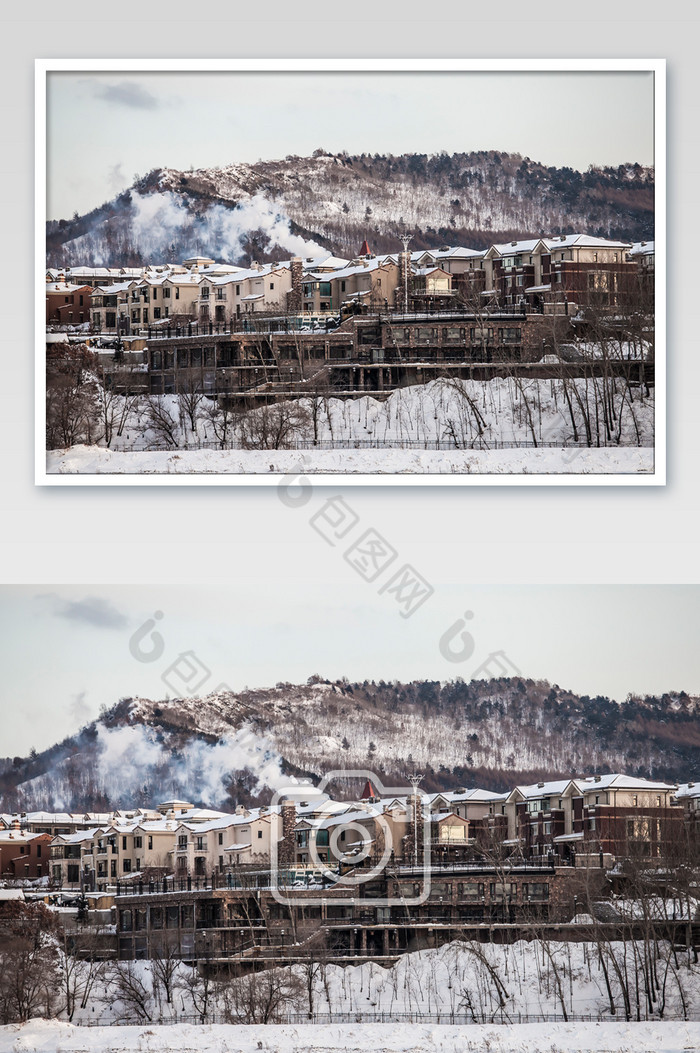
x=642, y=248
x=621, y=782
x=514, y=248
x=355, y=816
x=78, y=837
x=545, y=789
x=237, y=848
x=111, y=290
x=352, y=269
x=585, y=241
x=688, y=789
x=20, y=836
x=63, y=287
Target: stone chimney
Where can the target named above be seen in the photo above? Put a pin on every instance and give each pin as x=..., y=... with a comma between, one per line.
x=414, y=838
x=287, y=847
x=294, y=298
x=404, y=279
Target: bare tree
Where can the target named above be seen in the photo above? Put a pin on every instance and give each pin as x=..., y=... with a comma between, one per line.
x=29, y=962
x=125, y=985
x=274, y=427
x=262, y=997
x=161, y=422
x=71, y=396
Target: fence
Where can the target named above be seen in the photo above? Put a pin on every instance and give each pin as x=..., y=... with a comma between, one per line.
x=451, y=1018
x=364, y=444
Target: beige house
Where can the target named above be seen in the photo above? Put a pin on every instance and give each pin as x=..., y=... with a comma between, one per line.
x=261, y=288
x=369, y=281
x=231, y=840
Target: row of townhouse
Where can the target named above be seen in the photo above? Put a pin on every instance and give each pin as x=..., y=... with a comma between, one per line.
x=183, y=841
x=587, y=821
x=537, y=273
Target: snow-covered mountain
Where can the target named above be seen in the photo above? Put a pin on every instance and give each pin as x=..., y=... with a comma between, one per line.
x=231, y=748
x=296, y=206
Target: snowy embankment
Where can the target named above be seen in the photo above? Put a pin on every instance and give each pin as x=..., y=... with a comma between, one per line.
x=95, y=460
x=54, y=1037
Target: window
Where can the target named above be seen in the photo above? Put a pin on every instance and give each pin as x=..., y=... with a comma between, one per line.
x=182, y=841
x=547, y=829
x=472, y=890
x=238, y=290
x=537, y=890
x=183, y=358
x=156, y=360
x=166, y=293
x=221, y=839
x=205, y=292
x=509, y=336
x=502, y=890
x=38, y=851
x=155, y=294
x=138, y=842
x=177, y=292
x=123, y=844
x=200, y=844
x=126, y=866
x=260, y=833
x=150, y=842
x=156, y=312
x=272, y=285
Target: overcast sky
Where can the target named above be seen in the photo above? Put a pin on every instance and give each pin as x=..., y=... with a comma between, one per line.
x=69, y=650
x=104, y=127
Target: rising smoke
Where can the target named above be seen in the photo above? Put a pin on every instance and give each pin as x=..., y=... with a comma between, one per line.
x=155, y=224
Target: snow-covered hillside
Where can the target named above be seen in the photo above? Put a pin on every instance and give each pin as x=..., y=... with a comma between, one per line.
x=228, y=747
x=470, y=421
x=295, y=204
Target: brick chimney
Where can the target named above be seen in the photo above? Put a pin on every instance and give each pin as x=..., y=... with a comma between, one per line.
x=294, y=298
x=287, y=847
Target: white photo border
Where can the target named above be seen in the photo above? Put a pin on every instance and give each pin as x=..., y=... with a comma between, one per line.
x=656, y=66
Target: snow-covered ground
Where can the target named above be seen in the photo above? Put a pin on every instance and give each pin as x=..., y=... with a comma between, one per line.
x=471, y=420
x=94, y=460
x=42, y=1036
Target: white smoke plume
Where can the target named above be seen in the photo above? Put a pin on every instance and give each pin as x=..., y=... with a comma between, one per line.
x=126, y=761
x=134, y=755
x=159, y=220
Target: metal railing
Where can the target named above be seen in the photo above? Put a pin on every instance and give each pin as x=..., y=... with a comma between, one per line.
x=447, y=1017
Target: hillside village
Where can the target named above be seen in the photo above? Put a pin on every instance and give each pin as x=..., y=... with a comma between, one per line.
x=224, y=329
x=439, y=863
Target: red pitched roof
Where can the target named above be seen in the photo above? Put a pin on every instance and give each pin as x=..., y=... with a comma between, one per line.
x=369, y=791
x=365, y=249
